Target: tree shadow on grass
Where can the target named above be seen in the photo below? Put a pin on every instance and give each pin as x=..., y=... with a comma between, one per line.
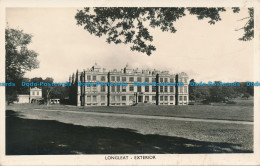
x=48, y=137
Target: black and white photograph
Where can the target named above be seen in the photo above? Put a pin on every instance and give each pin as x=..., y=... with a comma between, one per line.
x=130, y=85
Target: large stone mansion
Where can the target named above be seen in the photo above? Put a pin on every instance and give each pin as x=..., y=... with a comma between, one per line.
x=130, y=94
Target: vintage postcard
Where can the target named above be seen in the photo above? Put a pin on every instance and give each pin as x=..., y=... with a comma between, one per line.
x=129, y=82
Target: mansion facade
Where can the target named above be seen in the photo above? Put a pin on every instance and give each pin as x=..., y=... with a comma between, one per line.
x=130, y=94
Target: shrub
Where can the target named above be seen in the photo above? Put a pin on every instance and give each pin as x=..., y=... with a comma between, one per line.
x=231, y=102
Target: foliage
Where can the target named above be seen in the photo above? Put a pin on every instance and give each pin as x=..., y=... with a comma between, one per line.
x=11, y=95
x=216, y=94
x=49, y=92
x=59, y=92
x=19, y=59
x=22, y=89
x=197, y=92
x=219, y=93
x=249, y=26
x=130, y=25
x=192, y=95
x=37, y=80
x=246, y=95
x=231, y=102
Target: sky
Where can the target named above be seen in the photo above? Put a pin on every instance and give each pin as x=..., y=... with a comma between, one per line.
x=205, y=52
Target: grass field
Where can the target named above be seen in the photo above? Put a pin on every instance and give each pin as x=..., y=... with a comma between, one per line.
x=30, y=131
x=224, y=112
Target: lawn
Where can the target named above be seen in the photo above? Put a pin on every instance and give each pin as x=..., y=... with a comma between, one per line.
x=38, y=132
x=30, y=130
x=223, y=112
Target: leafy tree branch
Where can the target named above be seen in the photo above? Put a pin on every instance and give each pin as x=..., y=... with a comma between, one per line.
x=130, y=25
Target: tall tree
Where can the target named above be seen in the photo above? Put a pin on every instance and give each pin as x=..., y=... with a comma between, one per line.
x=19, y=59
x=130, y=25
x=47, y=89
x=37, y=80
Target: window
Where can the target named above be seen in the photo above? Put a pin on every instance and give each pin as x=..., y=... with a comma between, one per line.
x=118, y=78
x=103, y=98
x=153, y=79
x=37, y=93
x=103, y=88
x=153, y=88
x=88, y=77
x=165, y=98
x=88, y=98
x=146, y=88
x=165, y=88
x=123, y=98
x=112, y=78
x=88, y=89
x=94, y=78
x=123, y=78
x=161, y=98
x=185, y=80
x=171, y=98
x=103, y=78
x=146, y=98
x=139, y=89
x=131, y=79
x=139, y=79
x=185, y=98
x=161, y=79
x=185, y=89
x=131, y=88
x=153, y=98
x=131, y=98
x=33, y=93
x=165, y=79
x=94, y=87
x=94, y=99
x=118, y=88
x=161, y=88
x=123, y=89
x=113, y=98
x=180, y=98
x=171, y=80
x=113, y=89
x=181, y=89
x=171, y=88
x=147, y=79
x=117, y=98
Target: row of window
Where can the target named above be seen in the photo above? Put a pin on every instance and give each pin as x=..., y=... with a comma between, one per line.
x=165, y=98
x=33, y=93
x=132, y=79
x=182, y=89
x=123, y=104
x=132, y=98
x=182, y=98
